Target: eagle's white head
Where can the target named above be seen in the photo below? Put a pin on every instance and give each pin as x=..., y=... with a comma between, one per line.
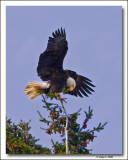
x=71, y=83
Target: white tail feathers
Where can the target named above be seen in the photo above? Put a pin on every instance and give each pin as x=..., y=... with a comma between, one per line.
x=34, y=89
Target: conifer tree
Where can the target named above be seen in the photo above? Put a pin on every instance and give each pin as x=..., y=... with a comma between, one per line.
x=78, y=137
x=20, y=141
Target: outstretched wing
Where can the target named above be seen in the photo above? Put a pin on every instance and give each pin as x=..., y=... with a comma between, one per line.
x=51, y=60
x=83, y=85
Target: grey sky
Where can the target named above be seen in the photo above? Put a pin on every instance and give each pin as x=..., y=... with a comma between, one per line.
x=94, y=36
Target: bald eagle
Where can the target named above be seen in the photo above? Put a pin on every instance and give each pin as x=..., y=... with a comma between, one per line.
x=54, y=77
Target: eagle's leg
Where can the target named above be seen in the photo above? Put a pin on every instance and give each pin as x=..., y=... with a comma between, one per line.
x=61, y=99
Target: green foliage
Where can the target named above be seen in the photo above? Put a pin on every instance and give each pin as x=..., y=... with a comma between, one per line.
x=52, y=95
x=20, y=141
x=79, y=137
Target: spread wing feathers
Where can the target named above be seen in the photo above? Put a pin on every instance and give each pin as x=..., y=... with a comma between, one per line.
x=83, y=85
x=51, y=60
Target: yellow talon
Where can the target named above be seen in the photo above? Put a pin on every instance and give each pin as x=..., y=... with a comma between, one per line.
x=61, y=99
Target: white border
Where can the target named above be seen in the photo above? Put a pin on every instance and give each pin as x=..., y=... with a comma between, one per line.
x=3, y=71
x=64, y=3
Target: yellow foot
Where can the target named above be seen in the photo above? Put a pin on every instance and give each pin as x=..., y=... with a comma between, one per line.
x=61, y=99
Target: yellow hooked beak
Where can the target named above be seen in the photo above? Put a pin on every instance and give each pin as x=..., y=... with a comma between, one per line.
x=71, y=88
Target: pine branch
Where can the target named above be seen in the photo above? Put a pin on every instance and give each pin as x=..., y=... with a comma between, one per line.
x=100, y=127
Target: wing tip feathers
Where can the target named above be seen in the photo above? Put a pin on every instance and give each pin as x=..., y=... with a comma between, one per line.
x=59, y=32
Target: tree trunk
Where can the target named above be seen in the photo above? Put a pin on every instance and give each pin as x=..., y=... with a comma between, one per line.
x=66, y=129
x=66, y=135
